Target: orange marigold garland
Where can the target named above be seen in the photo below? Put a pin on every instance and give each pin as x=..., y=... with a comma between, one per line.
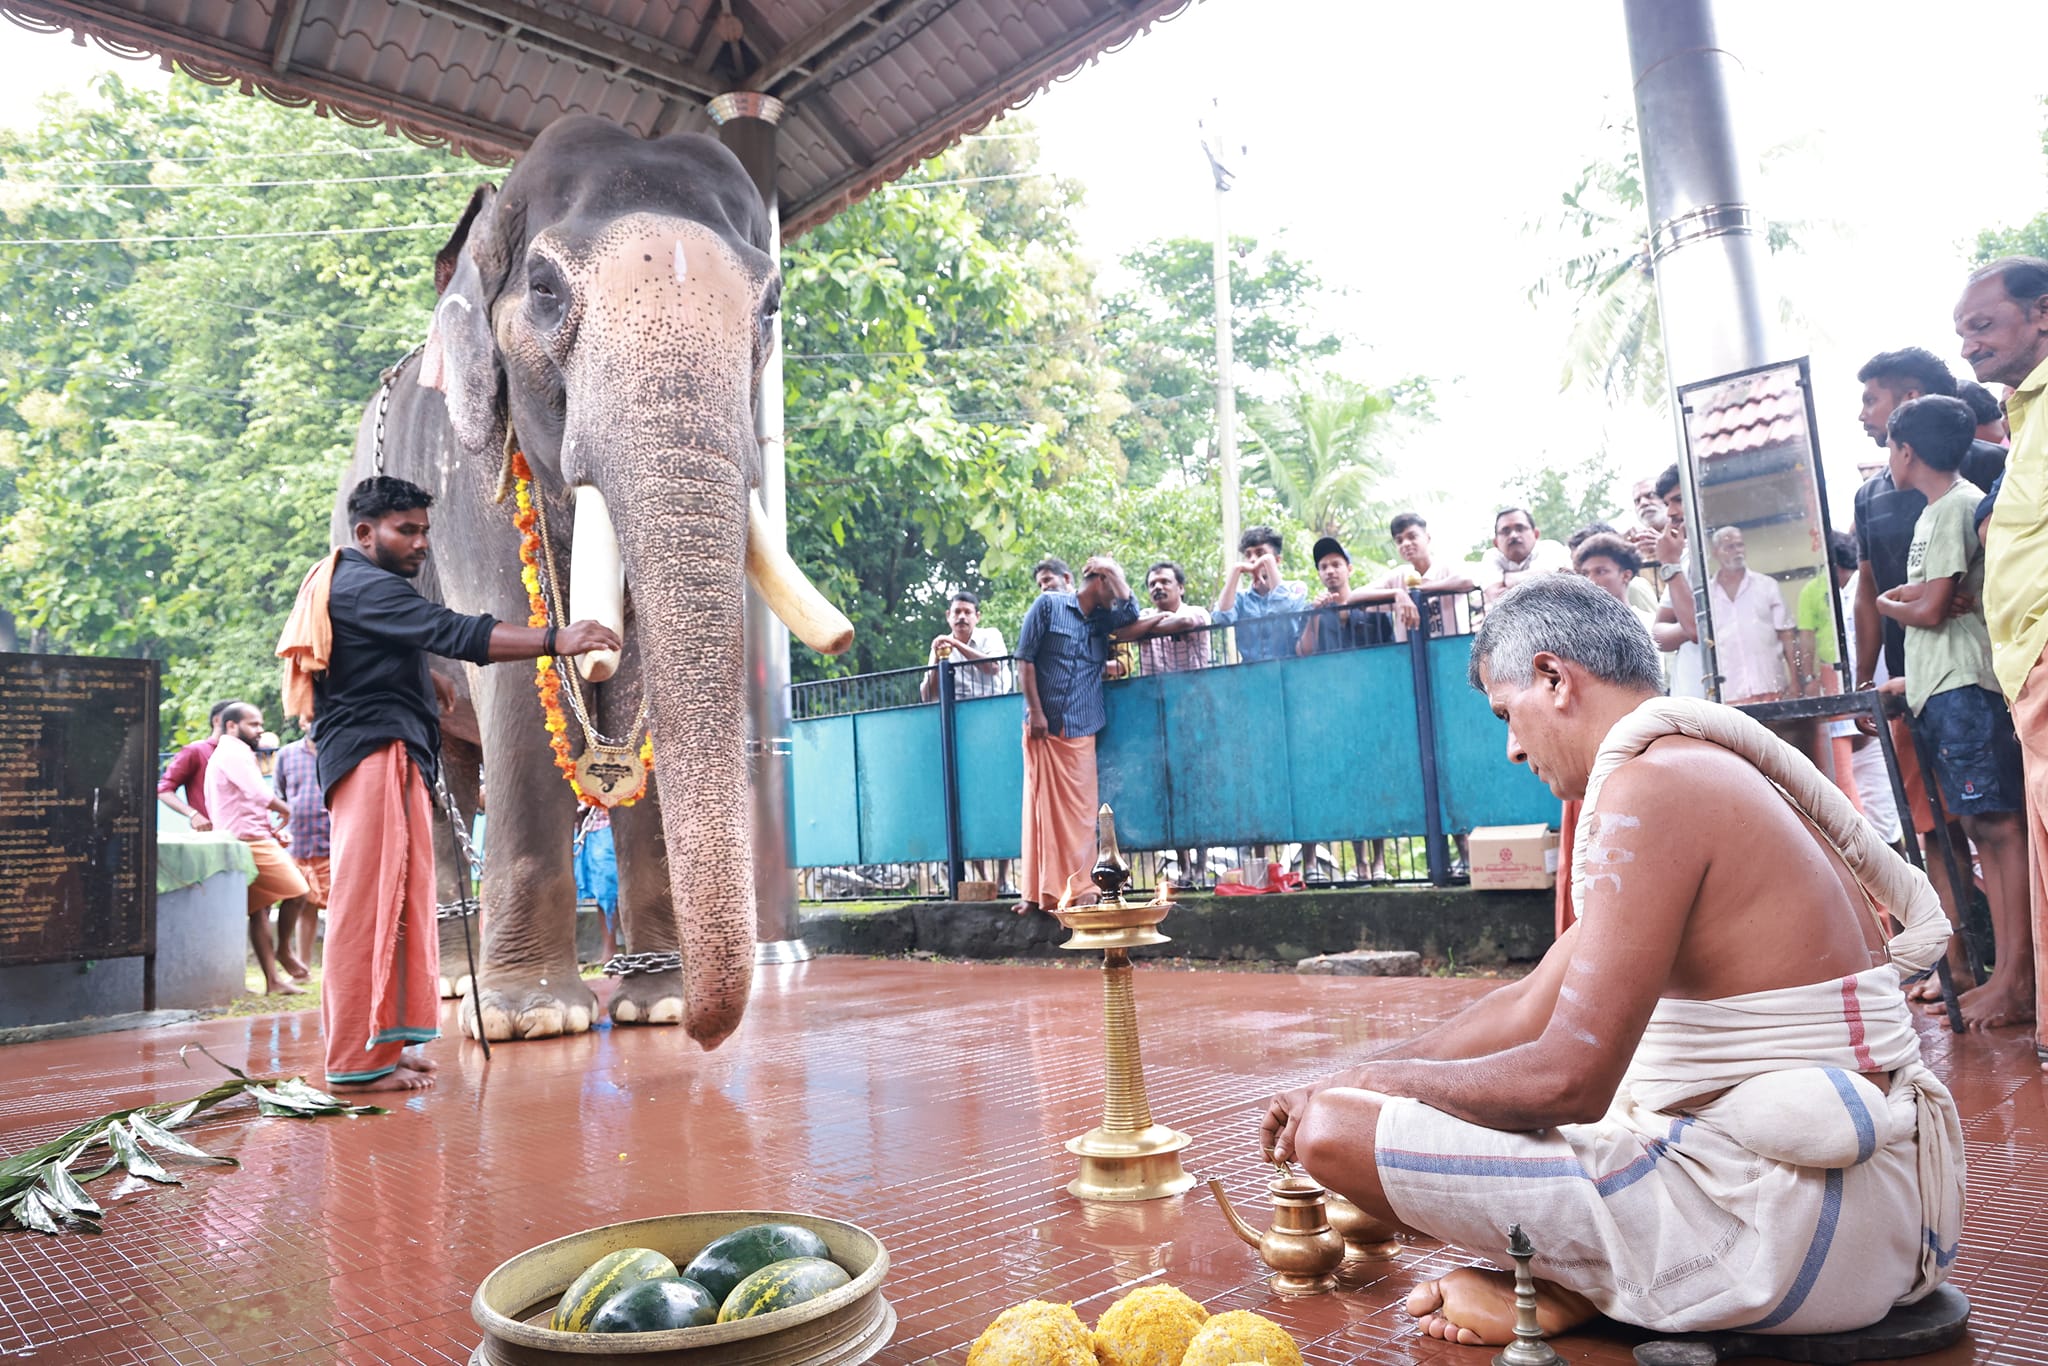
x=547, y=679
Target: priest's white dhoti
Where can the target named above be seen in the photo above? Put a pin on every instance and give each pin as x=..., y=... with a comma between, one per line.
x=1749, y=1172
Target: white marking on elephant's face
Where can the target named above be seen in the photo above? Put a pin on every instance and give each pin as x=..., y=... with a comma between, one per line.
x=682, y=265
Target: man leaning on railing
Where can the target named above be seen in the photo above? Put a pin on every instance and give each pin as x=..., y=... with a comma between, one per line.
x=980, y=647
x=1267, y=612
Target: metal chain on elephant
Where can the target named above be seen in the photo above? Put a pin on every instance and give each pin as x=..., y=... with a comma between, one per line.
x=461, y=908
x=628, y=964
x=384, y=383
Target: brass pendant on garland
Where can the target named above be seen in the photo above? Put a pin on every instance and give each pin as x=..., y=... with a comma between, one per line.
x=609, y=774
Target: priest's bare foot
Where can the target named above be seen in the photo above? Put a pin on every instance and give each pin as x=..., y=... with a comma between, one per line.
x=1476, y=1307
x=1025, y=907
x=284, y=987
x=418, y=1061
x=399, y=1079
x=293, y=968
x=1995, y=1005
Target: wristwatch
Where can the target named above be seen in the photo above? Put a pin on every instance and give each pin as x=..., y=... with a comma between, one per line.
x=1667, y=572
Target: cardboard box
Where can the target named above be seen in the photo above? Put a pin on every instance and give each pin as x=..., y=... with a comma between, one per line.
x=1513, y=857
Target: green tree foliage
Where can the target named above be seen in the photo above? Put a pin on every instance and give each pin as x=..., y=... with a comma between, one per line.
x=1560, y=505
x=1324, y=451
x=1095, y=512
x=941, y=362
x=1162, y=335
x=174, y=414
x=1617, y=339
x=2028, y=240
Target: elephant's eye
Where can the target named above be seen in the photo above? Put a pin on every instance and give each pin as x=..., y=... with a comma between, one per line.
x=544, y=293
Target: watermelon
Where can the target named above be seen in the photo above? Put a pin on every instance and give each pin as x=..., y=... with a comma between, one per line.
x=653, y=1306
x=727, y=1261
x=780, y=1285
x=605, y=1277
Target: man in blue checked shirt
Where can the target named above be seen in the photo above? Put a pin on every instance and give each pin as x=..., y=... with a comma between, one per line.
x=298, y=786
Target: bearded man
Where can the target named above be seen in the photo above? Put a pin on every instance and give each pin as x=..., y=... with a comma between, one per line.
x=1707, y=1105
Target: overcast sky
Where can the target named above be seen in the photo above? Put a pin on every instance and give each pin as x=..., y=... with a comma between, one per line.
x=1405, y=149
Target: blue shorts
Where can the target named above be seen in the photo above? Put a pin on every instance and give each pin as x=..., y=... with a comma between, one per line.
x=1976, y=751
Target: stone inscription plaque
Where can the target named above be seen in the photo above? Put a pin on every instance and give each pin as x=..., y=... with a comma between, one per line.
x=77, y=808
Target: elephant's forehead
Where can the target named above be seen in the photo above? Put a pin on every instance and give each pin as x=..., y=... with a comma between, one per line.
x=644, y=252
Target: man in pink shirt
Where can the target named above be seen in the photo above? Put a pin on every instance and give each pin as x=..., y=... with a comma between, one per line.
x=1753, y=628
x=240, y=803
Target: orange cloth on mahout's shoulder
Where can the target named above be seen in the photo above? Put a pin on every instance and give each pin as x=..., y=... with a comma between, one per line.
x=307, y=639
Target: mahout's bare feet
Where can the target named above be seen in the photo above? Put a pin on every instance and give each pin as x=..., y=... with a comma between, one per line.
x=418, y=1061
x=284, y=987
x=1475, y=1307
x=399, y=1079
x=293, y=968
x=1996, y=1005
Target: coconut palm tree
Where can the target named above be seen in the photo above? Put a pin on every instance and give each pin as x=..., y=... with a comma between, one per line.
x=1324, y=449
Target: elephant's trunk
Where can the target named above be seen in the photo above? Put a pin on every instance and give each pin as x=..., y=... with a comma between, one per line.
x=683, y=555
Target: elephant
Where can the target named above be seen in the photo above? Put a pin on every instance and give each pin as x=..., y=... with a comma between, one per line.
x=608, y=312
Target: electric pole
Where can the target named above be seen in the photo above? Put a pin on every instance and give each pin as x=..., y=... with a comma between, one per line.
x=1226, y=390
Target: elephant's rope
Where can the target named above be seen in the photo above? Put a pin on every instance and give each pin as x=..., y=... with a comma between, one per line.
x=547, y=676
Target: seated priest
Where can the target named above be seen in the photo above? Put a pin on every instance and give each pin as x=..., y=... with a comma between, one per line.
x=1706, y=1106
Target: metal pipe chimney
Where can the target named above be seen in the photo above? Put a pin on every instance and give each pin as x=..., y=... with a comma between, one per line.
x=1707, y=243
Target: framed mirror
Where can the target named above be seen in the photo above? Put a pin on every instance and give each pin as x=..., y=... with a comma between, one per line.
x=1767, y=595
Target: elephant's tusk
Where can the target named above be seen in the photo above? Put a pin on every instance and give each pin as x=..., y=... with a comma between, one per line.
x=597, y=579
x=791, y=596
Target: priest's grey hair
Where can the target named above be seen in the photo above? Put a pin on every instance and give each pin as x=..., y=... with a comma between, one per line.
x=1572, y=619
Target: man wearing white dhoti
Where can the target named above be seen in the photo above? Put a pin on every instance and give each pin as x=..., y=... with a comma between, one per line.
x=1706, y=1106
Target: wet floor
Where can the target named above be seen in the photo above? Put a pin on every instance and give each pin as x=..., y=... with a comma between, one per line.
x=927, y=1102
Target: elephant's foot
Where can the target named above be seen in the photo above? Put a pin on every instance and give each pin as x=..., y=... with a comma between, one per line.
x=649, y=998
x=535, y=1010
x=454, y=988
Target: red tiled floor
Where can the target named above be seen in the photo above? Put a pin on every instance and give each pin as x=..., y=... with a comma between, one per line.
x=925, y=1101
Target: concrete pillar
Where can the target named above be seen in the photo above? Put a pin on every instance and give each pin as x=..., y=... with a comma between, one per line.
x=746, y=124
x=1707, y=243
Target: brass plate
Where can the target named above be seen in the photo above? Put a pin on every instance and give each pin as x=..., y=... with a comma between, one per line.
x=609, y=776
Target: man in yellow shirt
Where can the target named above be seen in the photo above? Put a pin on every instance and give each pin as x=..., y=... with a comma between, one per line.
x=2003, y=321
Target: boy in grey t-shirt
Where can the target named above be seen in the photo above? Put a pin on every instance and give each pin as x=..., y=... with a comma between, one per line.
x=1953, y=693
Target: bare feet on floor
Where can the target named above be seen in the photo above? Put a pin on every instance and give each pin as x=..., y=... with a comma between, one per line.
x=1997, y=1004
x=1476, y=1307
x=294, y=969
x=284, y=986
x=399, y=1079
x=418, y=1061
x=1025, y=907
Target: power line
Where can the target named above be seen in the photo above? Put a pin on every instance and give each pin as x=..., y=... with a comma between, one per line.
x=228, y=184
x=220, y=236
x=114, y=378
x=379, y=151
x=398, y=329
x=967, y=180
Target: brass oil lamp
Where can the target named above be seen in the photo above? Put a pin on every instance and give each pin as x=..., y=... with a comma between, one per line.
x=1127, y=1156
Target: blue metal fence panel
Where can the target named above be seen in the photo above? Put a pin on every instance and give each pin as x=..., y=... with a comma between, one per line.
x=1476, y=782
x=991, y=735
x=1131, y=760
x=825, y=825
x=1226, y=759
x=1353, y=761
x=902, y=810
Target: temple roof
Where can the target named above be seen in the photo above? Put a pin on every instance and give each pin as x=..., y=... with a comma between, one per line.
x=870, y=87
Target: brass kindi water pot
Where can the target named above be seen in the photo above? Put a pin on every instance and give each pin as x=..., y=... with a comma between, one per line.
x=1366, y=1239
x=1301, y=1247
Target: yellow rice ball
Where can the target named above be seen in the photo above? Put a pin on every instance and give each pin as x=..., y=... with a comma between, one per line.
x=1035, y=1333
x=1241, y=1336
x=1151, y=1326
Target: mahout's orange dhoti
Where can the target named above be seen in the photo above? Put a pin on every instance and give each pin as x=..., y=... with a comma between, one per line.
x=1060, y=797
x=383, y=959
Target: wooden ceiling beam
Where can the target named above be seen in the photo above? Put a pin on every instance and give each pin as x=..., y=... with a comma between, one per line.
x=665, y=68
x=797, y=54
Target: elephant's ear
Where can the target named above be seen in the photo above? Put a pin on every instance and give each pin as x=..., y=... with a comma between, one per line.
x=461, y=357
